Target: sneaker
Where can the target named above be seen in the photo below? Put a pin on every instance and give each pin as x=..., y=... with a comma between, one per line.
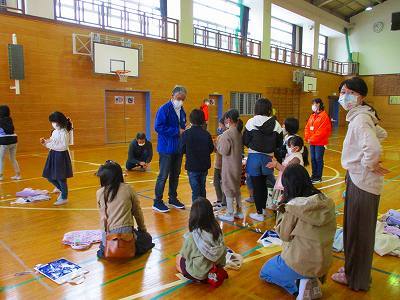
x=16, y=177
x=309, y=289
x=249, y=200
x=226, y=217
x=177, y=204
x=257, y=217
x=216, y=203
x=60, y=201
x=238, y=216
x=219, y=207
x=316, y=180
x=56, y=191
x=160, y=207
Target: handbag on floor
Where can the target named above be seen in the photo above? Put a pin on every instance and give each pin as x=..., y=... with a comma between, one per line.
x=118, y=245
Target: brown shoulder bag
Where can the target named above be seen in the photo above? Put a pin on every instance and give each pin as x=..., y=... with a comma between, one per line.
x=118, y=245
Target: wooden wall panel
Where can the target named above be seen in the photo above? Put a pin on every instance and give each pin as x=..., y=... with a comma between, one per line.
x=389, y=114
x=387, y=85
x=58, y=80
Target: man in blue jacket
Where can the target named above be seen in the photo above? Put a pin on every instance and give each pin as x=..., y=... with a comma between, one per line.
x=170, y=123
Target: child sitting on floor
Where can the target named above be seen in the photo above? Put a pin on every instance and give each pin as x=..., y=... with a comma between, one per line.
x=306, y=224
x=297, y=154
x=204, y=244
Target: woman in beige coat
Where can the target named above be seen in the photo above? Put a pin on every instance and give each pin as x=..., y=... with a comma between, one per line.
x=306, y=225
x=230, y=147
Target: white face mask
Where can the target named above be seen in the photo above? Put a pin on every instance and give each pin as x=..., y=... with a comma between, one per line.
x=227, y=125
x=177, y=103
x=207, y=103
x=348, y=101
x=289, y=151
x=142, y=144
x=55, y=125
x=314, y=108
x=284, y=131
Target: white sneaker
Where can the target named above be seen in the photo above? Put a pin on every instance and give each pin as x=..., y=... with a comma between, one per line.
x=257, y=217
x=226, y=217
x=56, y=191
x=60, y=202
x=16, y=177
x=309, y=289
x=238, y=216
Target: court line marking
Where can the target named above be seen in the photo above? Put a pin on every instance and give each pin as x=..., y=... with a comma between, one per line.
x=21, y=262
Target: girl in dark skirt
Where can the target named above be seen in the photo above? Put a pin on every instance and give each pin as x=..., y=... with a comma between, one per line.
x=58, y=165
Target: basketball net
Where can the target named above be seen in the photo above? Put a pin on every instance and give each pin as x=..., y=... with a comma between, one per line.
x=122, y=75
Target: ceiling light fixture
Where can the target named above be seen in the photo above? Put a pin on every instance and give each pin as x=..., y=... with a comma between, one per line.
x=368, y=8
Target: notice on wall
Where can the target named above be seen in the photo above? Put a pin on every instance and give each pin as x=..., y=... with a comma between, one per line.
x=394, y=100
x=129, y=100
x=119, y=99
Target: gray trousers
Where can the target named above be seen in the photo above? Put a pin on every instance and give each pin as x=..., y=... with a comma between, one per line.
x=360, y=215
x=217, y=185
x=12, y=152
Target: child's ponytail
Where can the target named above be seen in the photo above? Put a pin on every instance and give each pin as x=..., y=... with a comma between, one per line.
x=239, y=125
x=69, y=124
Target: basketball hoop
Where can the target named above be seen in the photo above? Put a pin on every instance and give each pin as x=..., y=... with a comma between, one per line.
x=122, y=74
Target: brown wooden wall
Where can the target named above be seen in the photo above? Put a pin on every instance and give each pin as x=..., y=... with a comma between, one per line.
x=389, y=114
x=55, y=79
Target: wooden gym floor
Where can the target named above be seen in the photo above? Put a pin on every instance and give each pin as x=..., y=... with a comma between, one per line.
x=31, y=234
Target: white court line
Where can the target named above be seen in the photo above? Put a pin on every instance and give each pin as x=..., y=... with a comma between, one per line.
x=20, y=261
x=36, y=178
x=328, y=186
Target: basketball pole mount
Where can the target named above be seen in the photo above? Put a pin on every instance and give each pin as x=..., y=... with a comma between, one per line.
x=16, y=87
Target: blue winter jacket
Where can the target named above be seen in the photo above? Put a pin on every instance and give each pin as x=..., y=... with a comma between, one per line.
x=167, y=126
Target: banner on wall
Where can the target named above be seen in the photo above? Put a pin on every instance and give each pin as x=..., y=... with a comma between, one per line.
x=119, y=99
x=129, y=100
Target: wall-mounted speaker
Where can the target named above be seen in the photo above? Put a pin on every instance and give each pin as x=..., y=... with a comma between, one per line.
x=395, y=21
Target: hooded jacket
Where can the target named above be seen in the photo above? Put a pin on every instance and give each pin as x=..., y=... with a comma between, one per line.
x=201, y=251
x=362, y=148
x=262, y=134
x=307, y=228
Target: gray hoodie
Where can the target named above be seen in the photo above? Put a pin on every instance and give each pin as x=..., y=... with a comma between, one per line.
x=201, y=251
x=362, y=149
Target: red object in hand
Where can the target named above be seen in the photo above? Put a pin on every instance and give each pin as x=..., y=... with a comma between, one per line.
x=216, y=276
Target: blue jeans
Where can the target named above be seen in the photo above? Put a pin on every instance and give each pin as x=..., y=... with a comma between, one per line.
x=276, y=271
x=317, y=160
x=197, y=182
x=170, y=166
x=61, y=184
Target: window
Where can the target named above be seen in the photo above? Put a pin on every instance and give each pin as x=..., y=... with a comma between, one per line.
x=244, y=102
x=223, y=15
x=323, y=46
x=282, y=33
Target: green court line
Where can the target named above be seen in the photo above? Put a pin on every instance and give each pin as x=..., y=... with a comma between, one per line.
x=131, y=273
x=171, y=290
x=373, y=268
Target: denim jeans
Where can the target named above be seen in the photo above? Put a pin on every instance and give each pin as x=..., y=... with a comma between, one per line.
x=317, y=160
x=170, y=166
x=276, y=271
x=197, y=182
x=61, y=184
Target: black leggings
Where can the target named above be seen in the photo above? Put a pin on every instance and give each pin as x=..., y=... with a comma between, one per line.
x=261, y=190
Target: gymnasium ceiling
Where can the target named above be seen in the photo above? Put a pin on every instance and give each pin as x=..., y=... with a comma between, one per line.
x=344, y=9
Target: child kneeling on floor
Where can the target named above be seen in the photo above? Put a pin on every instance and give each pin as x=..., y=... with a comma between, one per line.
x=204, y=245
x=306, y=224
